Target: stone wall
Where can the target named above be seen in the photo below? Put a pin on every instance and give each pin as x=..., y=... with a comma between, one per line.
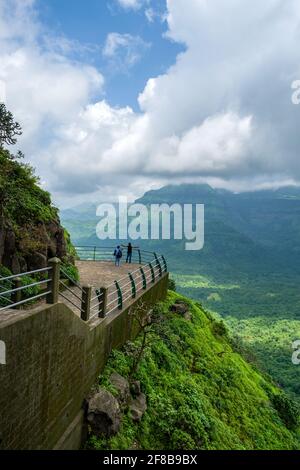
x=52, y=360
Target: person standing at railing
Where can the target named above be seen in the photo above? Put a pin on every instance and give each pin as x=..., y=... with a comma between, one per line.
x=118, y=255
x=129, y=253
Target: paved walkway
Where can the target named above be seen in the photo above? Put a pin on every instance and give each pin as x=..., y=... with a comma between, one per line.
x=102, y=273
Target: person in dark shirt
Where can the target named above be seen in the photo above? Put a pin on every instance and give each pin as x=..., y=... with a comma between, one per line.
x=129, y=253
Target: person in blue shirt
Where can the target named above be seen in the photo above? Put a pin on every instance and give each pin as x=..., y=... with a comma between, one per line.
x=118, y=255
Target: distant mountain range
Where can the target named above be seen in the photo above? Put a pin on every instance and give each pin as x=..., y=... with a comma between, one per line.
x=245, y=233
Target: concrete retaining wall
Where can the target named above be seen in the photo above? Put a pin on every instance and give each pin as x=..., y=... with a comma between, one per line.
x=52, y=360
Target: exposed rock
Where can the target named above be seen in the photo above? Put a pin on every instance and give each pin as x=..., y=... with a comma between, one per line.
x=188, y=316
x=10, y=241
x=135, y=388
x=15, y=264
x=61, y=250
x=37, y=261
x=31, y=246
x=104, y=415
x=138, y=406
x=51, y=249
x=179, y=307
x=122, y=386
x=23, y=264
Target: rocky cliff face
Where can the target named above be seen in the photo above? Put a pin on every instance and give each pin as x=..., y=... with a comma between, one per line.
x=29, y=247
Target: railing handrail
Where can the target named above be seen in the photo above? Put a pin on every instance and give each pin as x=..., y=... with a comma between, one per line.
x=98, y=247
x=14, y=276
x=113, y=295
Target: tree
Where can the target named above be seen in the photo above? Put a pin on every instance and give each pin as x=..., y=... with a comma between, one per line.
x=146, y=324
x=9, y=129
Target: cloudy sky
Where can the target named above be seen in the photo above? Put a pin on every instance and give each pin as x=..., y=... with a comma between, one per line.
x=120, y=96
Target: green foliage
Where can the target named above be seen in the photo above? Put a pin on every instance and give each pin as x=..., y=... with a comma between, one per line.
x=70, y=247
x=71, y=270
x=4, y=285
x=21, y=199
x=200, y=392
x=287, y=408
x=27, y=293
x=32, y=290
x=172, y=285
x=9, y=129
x=219, y=328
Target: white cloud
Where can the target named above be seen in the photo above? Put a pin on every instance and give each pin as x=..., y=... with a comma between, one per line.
x=124, y=50
x=132, y=4
x=222, y=113
x=150, y=14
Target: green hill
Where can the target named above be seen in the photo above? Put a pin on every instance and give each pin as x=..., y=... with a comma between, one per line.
x=247, y=272
x=201, y=393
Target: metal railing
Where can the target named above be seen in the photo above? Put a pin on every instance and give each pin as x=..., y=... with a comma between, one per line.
x=114, y=296
x=17, y=290
x=101, y=253
x=54, y=282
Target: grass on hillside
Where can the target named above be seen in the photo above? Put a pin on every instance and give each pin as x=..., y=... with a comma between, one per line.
x=264, y=314
x=201, y=394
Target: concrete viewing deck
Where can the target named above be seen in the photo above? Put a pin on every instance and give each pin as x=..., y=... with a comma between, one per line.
x=102, y=273
x=99, y=274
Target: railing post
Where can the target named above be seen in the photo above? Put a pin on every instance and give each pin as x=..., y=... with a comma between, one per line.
x=158, y=264
x=133, y=286
x=94, y=253
x=54, y=263
x=102, y=296
x=144, y=279
x=140, y=256
x=120, y=295
x=152, y=272
x=86, y=303
x=17, y=296
x=165, y=263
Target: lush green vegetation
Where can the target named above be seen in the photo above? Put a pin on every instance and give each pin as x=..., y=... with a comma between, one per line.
x=263, y=314
x=247, y=272
x=21, y=199
x=201, y=393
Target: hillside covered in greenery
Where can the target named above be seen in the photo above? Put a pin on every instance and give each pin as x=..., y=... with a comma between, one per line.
x=201, y=393
x=247, y=272
x=30, y=229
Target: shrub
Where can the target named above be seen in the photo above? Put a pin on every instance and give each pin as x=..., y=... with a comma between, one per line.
x=287, y=408
x=181, y=440
x=219, y=328
x=4, y=285
x=71, y=270
x=172, y=285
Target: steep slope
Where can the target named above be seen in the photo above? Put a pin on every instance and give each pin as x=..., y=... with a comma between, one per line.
x=201, y=394
x=30, y=229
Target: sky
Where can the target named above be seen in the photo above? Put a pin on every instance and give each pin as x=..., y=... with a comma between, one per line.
x=117, y=97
